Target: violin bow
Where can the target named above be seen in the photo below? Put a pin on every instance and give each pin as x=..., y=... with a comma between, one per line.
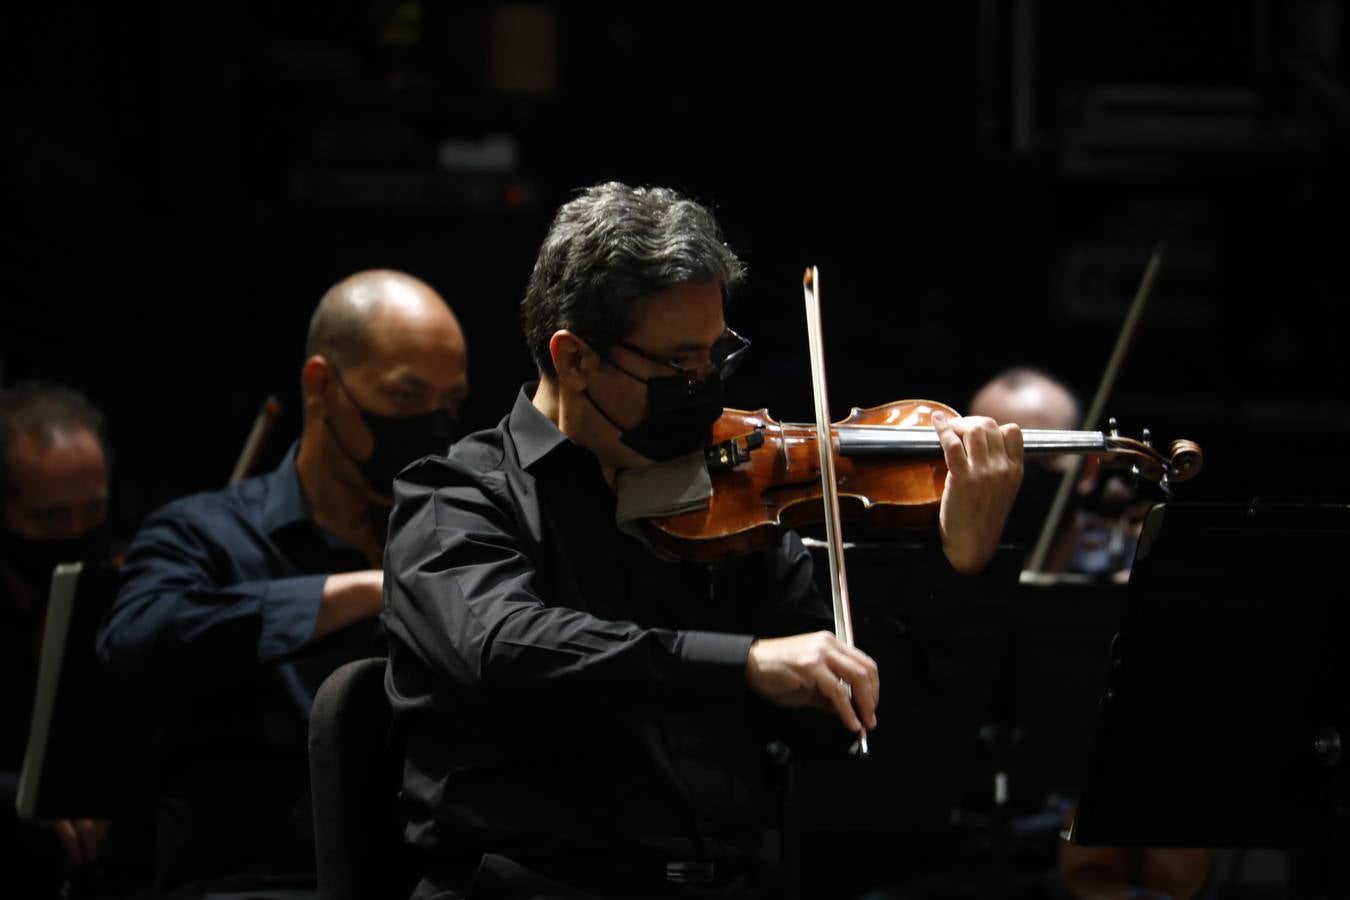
x=843, y=617
x=1123, y=342
x=262, y=426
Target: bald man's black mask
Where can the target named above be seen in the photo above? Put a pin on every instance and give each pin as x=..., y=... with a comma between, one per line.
x=399, y=442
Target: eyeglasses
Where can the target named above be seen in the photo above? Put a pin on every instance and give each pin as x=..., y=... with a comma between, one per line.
x=723, y=358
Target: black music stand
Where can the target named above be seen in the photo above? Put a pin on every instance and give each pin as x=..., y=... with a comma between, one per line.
x=1228, y=698
x=939, y=655
x=1047, y=696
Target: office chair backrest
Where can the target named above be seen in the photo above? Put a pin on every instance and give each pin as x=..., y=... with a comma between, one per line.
x=354, y=774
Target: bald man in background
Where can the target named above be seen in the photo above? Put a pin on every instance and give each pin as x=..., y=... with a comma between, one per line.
x=1100, y=527
x=1034, y=399
x=236, y=604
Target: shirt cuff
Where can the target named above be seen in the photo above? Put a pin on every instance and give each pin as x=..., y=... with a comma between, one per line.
x=290, y=608
x=714, y=659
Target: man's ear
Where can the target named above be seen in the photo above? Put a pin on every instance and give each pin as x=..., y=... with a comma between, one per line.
x=573, y=360
x=315, y=377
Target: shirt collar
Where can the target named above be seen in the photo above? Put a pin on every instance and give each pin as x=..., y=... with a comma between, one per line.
x=535, y=436
x=284, y=502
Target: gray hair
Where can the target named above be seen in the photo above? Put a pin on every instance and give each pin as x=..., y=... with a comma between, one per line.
x=609, y=249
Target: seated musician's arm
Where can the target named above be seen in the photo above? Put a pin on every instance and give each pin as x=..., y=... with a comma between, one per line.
x=182, y=609
x=464, y=596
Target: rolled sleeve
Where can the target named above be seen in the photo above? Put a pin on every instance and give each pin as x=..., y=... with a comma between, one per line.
x=185, y=607
x=289, y=608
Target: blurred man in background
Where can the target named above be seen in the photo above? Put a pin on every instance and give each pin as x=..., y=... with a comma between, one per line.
x=54, y=462
x=1099, y=527
x=236, y=604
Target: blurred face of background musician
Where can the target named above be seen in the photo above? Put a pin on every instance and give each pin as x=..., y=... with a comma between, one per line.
x=54, y=488
x=384, y=380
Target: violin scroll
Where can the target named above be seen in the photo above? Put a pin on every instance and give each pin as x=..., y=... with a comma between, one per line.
x=1182, y=463
x=1187, y=457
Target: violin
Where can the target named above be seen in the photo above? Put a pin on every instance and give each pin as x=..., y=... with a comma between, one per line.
x=889, y=472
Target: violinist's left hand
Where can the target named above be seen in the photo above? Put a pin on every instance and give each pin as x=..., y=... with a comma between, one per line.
x=984, y=471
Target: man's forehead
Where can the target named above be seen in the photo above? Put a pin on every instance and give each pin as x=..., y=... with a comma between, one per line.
x=68, y=465
x=687, y=316
x=58, y=440
x=400, y=339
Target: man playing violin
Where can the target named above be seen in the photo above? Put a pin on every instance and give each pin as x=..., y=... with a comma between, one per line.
x=236, y=604
x=583, y=717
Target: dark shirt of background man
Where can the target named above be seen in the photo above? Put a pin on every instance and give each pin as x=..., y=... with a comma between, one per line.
x=220, y=593
x=236, y=604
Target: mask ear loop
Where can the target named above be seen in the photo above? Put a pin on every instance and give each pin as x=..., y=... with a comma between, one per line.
x=351, y=398
x=604, y=415
x=338, y=440
x=327, y=423
x=587, y=392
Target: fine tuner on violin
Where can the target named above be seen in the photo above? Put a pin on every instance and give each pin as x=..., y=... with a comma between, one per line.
x=889, y=471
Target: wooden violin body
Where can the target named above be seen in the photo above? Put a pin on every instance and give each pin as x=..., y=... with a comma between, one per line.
x=889, y=470
x=778, y=486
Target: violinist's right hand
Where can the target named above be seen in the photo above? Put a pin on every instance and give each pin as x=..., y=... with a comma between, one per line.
x=816, y=670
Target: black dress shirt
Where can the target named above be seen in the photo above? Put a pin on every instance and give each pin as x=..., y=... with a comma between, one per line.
x=220, y=594
x=563, y=694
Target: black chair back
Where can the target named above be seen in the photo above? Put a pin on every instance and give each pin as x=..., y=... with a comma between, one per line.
x=355, y=771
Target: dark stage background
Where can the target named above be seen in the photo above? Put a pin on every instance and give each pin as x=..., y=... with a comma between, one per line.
x=980, y=183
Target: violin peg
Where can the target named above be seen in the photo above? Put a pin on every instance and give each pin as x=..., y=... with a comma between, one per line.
x=1146, y=437
x=1112, y=427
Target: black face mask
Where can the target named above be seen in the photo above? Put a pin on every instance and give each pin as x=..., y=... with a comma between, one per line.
x=33, y=559
x=399, y=442
x=678, y=419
